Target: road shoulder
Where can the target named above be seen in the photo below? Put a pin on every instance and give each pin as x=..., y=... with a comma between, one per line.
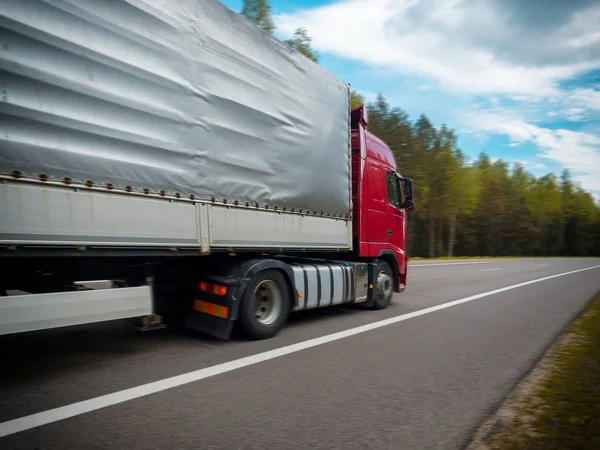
x=557, y=405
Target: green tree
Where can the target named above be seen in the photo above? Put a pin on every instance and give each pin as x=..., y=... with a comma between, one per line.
x=546, y=206
x=356, y=99
x=465, y=188
x=567, y=236
x=463, y=191
x=302, y=43
x=259, y=12
x=521, y=233
x=427, y=145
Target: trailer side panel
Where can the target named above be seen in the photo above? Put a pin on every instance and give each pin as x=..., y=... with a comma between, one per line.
x=181, y=96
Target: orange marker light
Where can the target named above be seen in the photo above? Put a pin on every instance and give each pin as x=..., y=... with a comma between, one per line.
x=214, y=289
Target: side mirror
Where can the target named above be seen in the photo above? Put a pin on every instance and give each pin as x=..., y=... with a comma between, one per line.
x=408, y=194
x=408, y=188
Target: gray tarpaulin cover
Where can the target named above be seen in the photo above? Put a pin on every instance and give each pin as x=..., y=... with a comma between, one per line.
x=178, y=95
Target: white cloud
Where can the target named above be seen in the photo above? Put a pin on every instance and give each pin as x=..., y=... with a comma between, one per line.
x=495, y=52
x=580, y=105
x=590, y=182
x=585, y=98
x=482, y=47
x=578, y=151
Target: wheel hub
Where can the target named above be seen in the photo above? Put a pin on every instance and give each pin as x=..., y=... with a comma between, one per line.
x=267, y=302
x=384, y=285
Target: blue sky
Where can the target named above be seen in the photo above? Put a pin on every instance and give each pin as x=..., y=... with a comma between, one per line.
x=517, y=79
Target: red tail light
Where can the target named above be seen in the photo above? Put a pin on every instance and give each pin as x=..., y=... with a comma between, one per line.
x=215, y=289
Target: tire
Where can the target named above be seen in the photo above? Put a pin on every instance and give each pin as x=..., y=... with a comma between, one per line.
x=265, y=305
x=384, y=286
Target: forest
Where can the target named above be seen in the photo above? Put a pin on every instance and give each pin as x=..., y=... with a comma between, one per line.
x=483, y=207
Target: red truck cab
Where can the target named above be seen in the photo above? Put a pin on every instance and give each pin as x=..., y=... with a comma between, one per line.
x=381, y=199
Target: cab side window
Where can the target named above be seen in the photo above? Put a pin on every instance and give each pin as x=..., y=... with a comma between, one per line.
x=394, y=192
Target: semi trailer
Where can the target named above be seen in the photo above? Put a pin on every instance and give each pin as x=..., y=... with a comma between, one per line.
x=167, y=160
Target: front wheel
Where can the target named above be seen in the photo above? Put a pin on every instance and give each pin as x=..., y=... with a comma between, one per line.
x=265, y=305
x=384, y=286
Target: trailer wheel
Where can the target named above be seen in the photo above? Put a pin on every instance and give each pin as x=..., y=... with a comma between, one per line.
x=265, y=305
x=384, y=286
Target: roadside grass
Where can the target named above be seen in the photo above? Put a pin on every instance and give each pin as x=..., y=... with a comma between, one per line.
x=443, y=258
x=558, y=405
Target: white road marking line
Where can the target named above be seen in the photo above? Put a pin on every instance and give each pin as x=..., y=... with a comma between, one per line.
x=541, y=265
x=448, y=264
x=75, y=409
x=489, y=270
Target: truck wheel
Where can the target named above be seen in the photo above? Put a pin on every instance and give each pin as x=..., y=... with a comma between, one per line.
x=384, y=286
x=265, y=305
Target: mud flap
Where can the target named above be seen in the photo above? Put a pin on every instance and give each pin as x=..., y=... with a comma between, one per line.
x=205, y=323
x=212, y=312
x=370, y=299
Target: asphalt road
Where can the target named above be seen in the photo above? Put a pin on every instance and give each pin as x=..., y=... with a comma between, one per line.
x=424, y=381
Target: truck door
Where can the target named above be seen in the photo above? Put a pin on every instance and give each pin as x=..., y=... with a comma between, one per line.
x=376, y=207
x=396, y=214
